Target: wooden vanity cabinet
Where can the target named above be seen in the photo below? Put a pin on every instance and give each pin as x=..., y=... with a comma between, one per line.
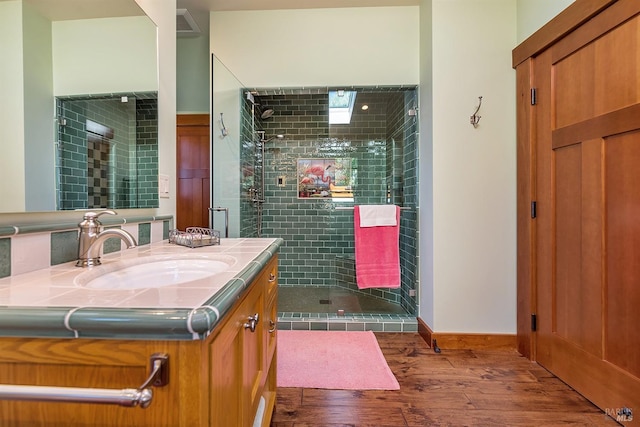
x=219, y=381
x=242, y=363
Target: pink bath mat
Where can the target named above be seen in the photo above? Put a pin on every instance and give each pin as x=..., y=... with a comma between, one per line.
x=336, y=360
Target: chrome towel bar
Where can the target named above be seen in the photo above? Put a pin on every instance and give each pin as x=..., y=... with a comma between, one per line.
x=350, y=208
x=128, y=397
x=226, y=218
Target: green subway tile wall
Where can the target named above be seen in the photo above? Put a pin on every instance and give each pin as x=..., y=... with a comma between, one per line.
x=64, y=247
x=319, y=241
x=116, y=168
x=147, y=153
x=5, y=257
x=144, y=233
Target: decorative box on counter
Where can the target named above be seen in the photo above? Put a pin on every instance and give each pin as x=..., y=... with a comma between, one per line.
x=195, y=237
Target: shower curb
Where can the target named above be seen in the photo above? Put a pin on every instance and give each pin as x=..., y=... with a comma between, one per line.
x=355, y=322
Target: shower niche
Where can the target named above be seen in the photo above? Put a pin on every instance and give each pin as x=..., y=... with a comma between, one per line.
x=327, y=178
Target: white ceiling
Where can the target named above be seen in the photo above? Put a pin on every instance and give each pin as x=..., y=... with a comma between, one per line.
x=228, y=5
x=57, y=10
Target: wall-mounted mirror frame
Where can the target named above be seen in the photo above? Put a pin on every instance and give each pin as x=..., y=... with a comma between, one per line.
x=58, y=48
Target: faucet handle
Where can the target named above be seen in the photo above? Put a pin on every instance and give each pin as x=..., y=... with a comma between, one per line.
x=90, y=219
x=91, y=216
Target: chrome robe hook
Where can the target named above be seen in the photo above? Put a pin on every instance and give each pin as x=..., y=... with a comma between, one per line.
x=475, y=118
x=223, y=129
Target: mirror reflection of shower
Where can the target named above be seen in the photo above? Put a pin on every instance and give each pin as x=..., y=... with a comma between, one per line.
x=256, y=195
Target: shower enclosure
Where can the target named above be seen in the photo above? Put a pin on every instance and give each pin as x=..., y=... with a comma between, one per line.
x=307, y=157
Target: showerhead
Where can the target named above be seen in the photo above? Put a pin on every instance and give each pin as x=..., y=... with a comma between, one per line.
x=263, y=136
x=279, y=136
x=267, y=113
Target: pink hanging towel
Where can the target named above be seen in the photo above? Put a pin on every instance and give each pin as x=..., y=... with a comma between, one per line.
x=377, y=251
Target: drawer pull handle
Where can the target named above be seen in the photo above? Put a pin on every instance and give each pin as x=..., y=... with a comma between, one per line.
x=272, y=326
x=252, y=322
x=272, y=277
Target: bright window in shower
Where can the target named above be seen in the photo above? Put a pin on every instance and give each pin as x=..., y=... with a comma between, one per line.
x=341, y=104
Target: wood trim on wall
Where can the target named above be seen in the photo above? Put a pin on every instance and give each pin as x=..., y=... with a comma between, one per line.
x=465, y=341
x=425, y=331
x=567, y=20
x=457, y=341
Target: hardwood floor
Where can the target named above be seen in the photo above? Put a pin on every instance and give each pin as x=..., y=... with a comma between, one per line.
x=453, y=388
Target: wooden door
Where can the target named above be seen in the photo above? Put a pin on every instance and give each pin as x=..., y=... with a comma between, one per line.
x=587, y=230
x=193, y=160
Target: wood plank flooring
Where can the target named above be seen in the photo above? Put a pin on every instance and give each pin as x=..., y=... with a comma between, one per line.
x=453, y=388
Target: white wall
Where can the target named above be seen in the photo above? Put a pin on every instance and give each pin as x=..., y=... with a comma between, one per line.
x=39, y=112
x=474, y=170
x=106, y=55
x=319, y=47
x=12, y=102
x=533, y=14
x=163, y=13
x=193, y=73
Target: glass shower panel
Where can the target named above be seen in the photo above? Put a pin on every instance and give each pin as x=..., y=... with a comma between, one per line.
x=231, y=130
x=381, y=135
x=315, y=171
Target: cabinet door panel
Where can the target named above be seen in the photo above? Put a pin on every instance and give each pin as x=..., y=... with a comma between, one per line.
x=226, y=376
x=252, y=357
x=586, y=236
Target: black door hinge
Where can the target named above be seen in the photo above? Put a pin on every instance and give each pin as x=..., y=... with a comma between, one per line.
x=534, y=96
x=534, y=322
x=534, y=209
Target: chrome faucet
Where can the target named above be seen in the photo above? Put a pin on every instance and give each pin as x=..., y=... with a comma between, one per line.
x=91, y=238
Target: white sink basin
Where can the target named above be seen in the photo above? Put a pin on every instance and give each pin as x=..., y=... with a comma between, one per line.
x=153, y=272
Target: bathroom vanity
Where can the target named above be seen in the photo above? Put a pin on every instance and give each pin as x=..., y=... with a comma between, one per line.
x=215, y=337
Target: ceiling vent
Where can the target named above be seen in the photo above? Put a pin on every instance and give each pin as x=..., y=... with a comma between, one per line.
x=185, y=24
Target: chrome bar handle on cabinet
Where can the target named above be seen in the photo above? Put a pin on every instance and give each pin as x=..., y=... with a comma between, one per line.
x=252, y=322
x=128, y=397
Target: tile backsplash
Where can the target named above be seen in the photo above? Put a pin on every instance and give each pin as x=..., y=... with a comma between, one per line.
x=24, y=249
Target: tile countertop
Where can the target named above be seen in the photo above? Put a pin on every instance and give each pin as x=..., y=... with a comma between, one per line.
x=49, y=303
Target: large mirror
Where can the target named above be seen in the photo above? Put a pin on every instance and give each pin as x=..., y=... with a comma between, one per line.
x=57, y=51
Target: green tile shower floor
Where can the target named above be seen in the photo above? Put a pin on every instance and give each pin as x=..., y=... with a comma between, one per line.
x=325, y=299
x=333, y=308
